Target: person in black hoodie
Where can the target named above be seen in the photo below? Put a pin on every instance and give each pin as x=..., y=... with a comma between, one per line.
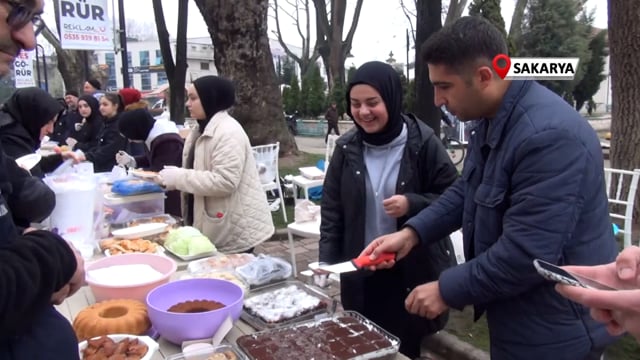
x=103, y=156
x=383, y=171
x=162, y=144
x=84, y=134
x=25, y=119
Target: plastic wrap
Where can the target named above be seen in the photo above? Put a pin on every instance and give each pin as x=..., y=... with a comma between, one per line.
x=134, y=187
x=264, y=270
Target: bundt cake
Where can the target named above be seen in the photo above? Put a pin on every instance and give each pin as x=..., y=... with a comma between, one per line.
x=195, y=306
x=123, y=316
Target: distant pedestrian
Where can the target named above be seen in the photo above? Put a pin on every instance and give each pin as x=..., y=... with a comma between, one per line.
x=332, y=120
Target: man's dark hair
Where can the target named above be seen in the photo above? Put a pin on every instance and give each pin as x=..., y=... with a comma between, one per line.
x=462, y=43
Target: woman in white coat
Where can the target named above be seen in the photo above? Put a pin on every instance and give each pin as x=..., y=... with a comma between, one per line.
x=221, y=192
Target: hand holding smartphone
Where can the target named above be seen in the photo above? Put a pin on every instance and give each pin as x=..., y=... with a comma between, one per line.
x=557, y=274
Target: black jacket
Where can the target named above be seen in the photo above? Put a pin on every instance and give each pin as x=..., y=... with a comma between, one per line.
x=64, y=126
x=103, y=156
x=17, y=142
x=425, y=172
x=32, y=268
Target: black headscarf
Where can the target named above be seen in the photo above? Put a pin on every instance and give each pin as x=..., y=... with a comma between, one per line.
x=136, y=124
x=94, y=104
x=33, y=108
x=216, y=94
x=386, y=81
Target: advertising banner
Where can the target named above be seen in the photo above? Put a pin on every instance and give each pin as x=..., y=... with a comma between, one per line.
x=23, y=69
x=84, y=25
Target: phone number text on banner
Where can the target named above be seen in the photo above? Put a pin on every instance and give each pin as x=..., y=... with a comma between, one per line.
x=85, y=25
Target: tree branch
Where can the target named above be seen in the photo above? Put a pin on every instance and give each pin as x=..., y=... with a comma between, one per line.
x=456, y=7
x=163, y=33
x=279, y=35
x=411, y=17
x=352, y=30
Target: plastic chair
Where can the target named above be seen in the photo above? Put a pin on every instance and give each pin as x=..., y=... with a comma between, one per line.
x=267, y=162
x=621, y=191
x=305, y=183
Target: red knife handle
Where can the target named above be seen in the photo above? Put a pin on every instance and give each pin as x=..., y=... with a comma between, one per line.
x=364, y=260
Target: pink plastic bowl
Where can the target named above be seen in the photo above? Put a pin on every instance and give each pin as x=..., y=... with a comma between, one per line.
x=138, y=292
x=179, y=327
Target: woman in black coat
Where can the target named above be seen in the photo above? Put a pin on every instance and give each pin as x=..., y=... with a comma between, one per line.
x=385, y=170
x=85, y=132
x=162, y=144
x=26, y=118
x=110, y=141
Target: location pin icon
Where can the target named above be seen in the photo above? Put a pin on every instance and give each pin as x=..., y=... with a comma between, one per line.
x=501, y=64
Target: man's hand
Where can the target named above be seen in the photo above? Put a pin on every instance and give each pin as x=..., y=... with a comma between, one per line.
x=396, y=206
x=425, y=301
x=59, y=296
x=400, y=243
x=618, y=309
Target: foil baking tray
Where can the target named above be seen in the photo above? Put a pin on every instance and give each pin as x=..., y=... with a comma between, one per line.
x=327, y=304
x=344, y=335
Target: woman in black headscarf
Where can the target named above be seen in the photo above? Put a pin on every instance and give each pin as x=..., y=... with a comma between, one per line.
x=383, y=171
x=162, y=144
x=84, y=134
x=27, y=117
x=223, y=197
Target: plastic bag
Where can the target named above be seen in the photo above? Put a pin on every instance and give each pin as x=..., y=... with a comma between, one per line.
x=306, y=211
x=264, y=269
x=134, y=187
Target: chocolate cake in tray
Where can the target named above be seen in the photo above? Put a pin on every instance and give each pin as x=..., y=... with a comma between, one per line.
x=284, y=303
x=342, y=336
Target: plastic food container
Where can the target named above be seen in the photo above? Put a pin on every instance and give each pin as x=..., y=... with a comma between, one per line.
x=127, y=208
x=254, y=319
x=220, y=262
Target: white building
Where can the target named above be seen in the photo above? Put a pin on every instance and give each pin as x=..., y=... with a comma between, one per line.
x=146, y=70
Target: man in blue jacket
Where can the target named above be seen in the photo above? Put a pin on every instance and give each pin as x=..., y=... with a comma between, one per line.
x=532, y=187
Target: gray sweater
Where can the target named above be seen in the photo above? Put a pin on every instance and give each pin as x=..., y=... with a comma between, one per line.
x=383, y=165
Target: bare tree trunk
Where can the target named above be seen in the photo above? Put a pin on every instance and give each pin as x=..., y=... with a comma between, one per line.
x=515, y=29
x=428, y=22
x=176, y=72
x=239, y=33
x=456, y=7
x=625, y=89
x=70, y=62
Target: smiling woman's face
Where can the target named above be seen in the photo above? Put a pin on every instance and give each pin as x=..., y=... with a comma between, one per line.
x=368, y=109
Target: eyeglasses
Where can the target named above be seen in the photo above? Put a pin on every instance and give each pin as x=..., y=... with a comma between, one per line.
x=20, y=15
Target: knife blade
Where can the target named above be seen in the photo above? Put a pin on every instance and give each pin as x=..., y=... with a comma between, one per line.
x=357, y=263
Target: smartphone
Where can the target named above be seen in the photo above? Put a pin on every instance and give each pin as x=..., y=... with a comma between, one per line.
x=557, y=274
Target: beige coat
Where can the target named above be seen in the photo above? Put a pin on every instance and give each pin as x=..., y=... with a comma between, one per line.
x=230, y=207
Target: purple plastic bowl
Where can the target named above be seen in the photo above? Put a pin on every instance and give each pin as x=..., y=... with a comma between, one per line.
x=179, y=327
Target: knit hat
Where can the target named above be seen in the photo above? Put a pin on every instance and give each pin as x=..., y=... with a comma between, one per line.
x=72, y=93
x=95, y=83
x=130, y=95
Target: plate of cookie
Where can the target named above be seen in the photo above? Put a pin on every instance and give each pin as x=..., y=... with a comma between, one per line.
x=113, y=247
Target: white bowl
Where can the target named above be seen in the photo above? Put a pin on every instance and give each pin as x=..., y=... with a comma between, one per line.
x=153, y=346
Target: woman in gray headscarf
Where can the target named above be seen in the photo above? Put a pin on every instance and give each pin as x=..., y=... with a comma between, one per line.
x=222, y=195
